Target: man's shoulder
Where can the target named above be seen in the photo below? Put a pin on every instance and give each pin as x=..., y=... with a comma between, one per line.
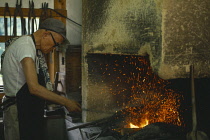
x=10, y=41
x=24, y=39
x=23, y=43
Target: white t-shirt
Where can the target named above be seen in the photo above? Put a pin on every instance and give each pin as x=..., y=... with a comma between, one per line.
x=13, y=76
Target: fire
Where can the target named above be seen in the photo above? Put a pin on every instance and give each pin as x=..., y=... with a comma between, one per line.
x=146, y=122
x=133, y=126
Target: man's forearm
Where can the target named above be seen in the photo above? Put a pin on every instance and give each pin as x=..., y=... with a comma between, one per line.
x=44, y=93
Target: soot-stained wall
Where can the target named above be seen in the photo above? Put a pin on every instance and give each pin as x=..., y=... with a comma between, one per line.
x=175, y=34
x=186, y=38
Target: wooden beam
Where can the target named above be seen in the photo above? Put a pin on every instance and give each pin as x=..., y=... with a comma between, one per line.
x=37, y=12
x=2, y=38
x=60, y=4
x=25, y=14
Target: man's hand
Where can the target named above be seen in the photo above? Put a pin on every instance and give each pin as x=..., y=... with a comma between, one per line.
x=73, y=106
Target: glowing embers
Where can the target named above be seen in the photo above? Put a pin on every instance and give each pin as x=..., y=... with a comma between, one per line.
x=141, y=125
x=145, y=96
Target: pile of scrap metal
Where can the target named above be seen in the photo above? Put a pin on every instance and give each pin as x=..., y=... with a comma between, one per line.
x=111, y=129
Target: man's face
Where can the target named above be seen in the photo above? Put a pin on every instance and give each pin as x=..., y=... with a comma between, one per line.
x=50, y=41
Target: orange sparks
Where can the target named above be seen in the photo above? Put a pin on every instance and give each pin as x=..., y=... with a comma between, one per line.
x=135, y=84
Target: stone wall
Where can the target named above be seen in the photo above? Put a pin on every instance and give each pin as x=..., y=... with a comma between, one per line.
x=174, y=34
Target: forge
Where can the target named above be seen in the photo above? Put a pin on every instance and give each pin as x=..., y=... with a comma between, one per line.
x=121, y=81
x=137, y=53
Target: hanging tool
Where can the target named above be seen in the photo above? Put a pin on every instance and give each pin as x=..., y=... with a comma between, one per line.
x=18, y=12
x=6, y=10
x=194, y=134
x=31, y=18
x=44, y=14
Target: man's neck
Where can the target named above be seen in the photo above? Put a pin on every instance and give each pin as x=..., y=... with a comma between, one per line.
x=37, y=37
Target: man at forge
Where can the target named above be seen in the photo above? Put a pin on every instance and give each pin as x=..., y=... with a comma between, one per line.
x=27, y=83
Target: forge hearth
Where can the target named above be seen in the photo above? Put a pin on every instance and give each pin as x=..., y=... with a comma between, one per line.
x=116, y=82
x=170, y=35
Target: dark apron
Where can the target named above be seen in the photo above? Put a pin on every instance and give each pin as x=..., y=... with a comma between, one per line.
x=31, y=112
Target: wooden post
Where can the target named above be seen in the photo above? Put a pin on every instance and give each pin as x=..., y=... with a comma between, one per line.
x=54, y=65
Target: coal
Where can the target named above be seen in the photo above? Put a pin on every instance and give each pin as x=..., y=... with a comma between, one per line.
x=159, y=131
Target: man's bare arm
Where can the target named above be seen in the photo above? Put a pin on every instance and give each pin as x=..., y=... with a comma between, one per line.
x=36, y=89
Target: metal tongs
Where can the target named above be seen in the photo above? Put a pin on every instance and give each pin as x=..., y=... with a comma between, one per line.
x=31, y=17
